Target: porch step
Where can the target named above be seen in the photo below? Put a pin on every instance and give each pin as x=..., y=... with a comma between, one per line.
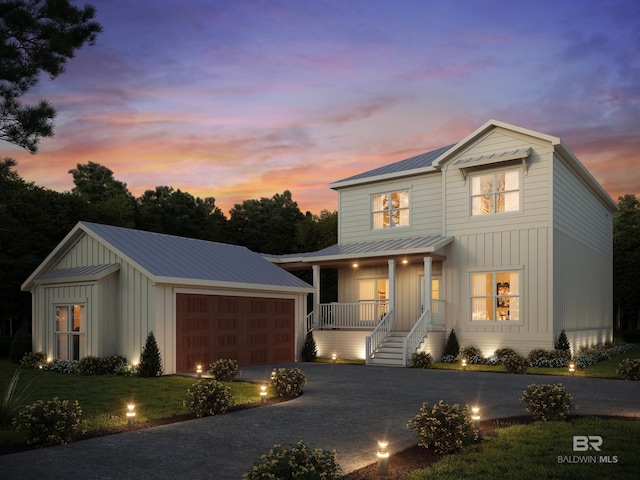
x=390, y=352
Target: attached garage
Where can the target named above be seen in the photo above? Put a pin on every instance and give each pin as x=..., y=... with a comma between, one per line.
x=202, y=300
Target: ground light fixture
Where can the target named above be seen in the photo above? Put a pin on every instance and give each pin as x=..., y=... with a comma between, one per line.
x=131, y=415
x=383, y=457
x=263, y=395
x=334, y=357
x=464, y=364
x=475, y=414
x=199, y=371
x=572, y=369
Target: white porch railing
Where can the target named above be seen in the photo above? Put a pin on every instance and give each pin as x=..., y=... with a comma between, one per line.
x=382, y=330
x=360, y=315
x=428, y=321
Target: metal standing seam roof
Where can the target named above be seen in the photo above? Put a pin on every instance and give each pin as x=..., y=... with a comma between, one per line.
x=168, y=257
x=88, y=273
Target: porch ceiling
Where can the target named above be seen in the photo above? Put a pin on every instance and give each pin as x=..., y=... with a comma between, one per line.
x=375, y=252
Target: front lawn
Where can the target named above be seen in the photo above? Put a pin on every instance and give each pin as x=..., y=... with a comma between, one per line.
x=104, y=398
x=546, y=450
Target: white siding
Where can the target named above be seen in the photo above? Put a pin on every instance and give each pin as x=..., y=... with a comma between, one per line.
x=425, y=209
x=345, y=344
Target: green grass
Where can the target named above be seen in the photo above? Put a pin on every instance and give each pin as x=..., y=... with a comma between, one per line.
x=341, y=361
x=533, y=451
x=104, y=398
x=604, y=369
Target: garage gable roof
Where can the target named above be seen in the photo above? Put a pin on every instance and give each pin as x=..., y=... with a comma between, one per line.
x=179, y=260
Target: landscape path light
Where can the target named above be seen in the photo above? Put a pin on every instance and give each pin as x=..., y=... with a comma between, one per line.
x=334, y=357
x=383, y=457
x=572, y=369
x=131, y=415
x=475, y=414
x=464, y=364
x=199, y=371
x=263, y=395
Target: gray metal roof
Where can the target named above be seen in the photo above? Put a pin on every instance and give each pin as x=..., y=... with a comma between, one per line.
x=168, y=257
x=419, y=161
x=92, y=272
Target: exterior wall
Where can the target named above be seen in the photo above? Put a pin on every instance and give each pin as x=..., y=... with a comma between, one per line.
x=425, y=209
x=511, y=241
x=346, y=344
x=583, y=261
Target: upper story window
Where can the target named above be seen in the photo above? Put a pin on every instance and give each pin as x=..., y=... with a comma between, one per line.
x=390, y=209
x=496, y=192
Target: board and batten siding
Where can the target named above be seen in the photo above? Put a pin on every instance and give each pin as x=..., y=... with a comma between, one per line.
x=135, y=307
x=425, y=203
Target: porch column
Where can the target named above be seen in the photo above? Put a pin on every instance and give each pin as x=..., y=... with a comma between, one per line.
x=316, y=294
x=392, y=286
x=427, y=284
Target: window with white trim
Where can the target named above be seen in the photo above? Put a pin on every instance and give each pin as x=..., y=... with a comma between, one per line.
x=496, y=192
x=390, y=209
x=495, y=296
x=70, y=332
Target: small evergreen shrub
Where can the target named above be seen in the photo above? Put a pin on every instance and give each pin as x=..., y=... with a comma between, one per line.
x=449, y=359
x=33, y=360
x=539, y=357
x=47, y=423
x=629, y=369
x=309, y=349
x=421, y=360
x=150, y=361
x=288, y=382
x=208, y=397
x=516, y=364
x=472, y=354
x=298, y=462
x=501, y=353
x=224, y=370
x=548, y=401
x=20, y=345
x=61, y=366
x=445, y=428
x=100, y=365
x=563, y=342
x=452, y=347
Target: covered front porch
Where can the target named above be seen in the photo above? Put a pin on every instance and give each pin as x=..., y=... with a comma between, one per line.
x=389, y=301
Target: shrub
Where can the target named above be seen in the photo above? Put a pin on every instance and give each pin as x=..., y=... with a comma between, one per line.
x=299, y=462
x=12, y=399
x=629, y=369
x=563, y=342
x=150, y=360
x=224, y=370
x=516, y=364
x=89, y=366
x=309, y=350
x=548, y=402
x=208, y=397
x=539, y=357
x=20, y=345
x=421, y=360
x=449, y=359
x=452, y=347
x=443, y=427
x=288, y=382
x=113, y=364
x=500, y=355
x=61, y=366
x=33, y=360
x=54, y=422
x=472, y=354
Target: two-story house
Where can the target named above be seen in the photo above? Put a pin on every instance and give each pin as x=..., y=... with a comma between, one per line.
x=504, y=237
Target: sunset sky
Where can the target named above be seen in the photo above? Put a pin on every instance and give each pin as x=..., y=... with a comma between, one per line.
x=244, y=99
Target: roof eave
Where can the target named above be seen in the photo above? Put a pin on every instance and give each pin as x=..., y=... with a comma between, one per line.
x=379, y=178
x=194, y=282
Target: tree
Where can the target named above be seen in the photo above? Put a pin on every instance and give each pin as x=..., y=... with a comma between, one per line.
x=36, y=36
x=150, y=361
x=626, y=262
x=563, y=342
x=110, y=200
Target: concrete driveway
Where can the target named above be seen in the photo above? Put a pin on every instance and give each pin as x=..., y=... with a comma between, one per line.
x=344, y=407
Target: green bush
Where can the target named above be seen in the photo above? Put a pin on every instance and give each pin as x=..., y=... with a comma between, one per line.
x=33, y=360
x=208, y=397
x=150, y=361
x=629, y=369
x=516, y=364
x=224, y=370
x=54, y=422
x=473, y=355
x=100, y=365
x=309, y=350
x=502, y=353
x=20, y=345
x=299, y=462
x=421, y=360
x=548, y=402
x=452, y=347
x=288, y=382
x=445, y=428
x=563, y=342
x=538, y=357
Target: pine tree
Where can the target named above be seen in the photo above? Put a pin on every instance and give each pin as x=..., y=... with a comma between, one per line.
x=453, y=347
x=309, y=350
x=150, y=360
x=563, y=342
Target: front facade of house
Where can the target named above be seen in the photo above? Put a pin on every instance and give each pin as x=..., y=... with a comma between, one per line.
x=504, y=237
x=103, y=289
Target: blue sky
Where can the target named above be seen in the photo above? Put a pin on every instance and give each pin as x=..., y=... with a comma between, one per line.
x=244, y=99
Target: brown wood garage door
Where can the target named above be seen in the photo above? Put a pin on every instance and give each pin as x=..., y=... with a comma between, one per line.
x=252, y=331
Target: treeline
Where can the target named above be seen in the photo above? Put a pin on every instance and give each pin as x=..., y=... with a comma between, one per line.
x=33, y=220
